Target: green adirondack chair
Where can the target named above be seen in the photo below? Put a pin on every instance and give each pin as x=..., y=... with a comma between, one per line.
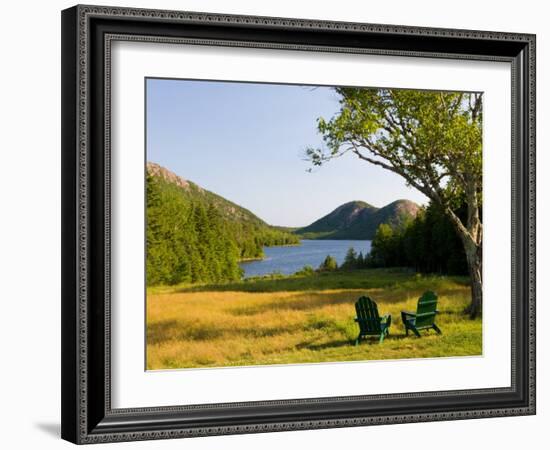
x=424, y=318
x=370, y=323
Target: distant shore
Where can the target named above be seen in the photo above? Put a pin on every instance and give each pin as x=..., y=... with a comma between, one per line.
x=261, y=258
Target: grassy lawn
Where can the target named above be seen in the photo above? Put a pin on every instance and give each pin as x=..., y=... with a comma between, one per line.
x=282, y=320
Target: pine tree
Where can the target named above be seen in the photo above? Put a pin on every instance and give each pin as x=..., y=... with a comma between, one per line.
x=360, y=261
x=350, y=261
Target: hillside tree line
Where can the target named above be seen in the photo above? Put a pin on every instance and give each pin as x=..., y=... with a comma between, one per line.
x=190, y=241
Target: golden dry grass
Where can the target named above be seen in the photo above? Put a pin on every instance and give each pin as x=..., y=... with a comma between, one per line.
x=235, y=328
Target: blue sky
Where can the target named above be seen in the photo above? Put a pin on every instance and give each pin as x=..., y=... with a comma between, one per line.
x=246, y=142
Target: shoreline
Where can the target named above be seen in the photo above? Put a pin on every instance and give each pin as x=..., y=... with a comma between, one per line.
x=261, y=258
x=245, y=260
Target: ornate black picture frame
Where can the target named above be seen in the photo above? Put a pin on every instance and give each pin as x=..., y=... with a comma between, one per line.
x=87, y=415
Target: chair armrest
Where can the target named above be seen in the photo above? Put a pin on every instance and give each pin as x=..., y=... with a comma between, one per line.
x=408, y=318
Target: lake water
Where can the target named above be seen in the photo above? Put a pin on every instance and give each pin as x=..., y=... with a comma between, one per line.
x=289, y=260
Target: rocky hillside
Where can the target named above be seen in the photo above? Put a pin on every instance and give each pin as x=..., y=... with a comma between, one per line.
x=194, y=192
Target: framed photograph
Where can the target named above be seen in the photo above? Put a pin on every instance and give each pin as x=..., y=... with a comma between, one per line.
x=278, y=224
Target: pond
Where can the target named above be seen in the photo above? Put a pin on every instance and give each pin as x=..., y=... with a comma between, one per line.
x=289, y=260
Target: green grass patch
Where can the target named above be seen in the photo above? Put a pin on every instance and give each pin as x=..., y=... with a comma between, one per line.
x=302, y=319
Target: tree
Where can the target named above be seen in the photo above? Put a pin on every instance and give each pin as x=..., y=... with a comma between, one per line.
x=360, y=261
x=431, y=139
x=329, y=264
x=387, y=246
x=430, y=243
x=350, y=261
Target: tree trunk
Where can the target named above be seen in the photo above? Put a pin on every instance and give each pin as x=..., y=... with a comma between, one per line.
x=471, y=238
x=474, y=259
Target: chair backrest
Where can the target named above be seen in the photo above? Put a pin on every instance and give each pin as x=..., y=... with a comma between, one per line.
x=425, y=311
x=367, y=315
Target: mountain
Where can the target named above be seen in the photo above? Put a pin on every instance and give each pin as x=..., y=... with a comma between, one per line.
x=358, y=220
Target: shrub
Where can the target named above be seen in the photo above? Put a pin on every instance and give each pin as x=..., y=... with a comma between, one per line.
x=305, y=271
x=328, y=265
